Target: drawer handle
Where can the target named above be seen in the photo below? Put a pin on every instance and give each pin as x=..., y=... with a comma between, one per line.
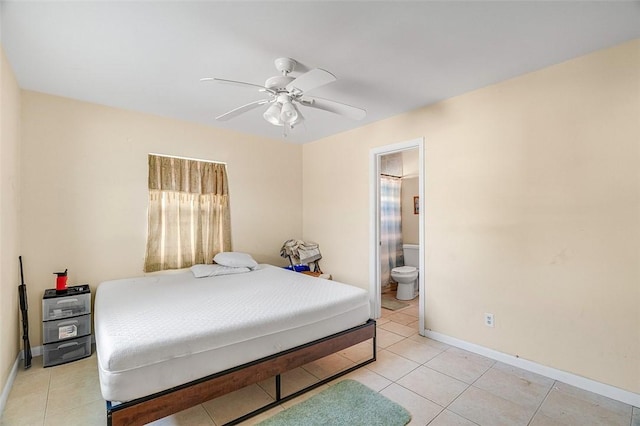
x=67, y=323
x=68, y=345
x=66, y=301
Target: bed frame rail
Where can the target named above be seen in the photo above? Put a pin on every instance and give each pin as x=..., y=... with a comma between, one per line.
x=153, y=407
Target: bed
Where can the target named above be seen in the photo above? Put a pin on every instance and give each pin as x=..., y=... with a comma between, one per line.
x=168, y=342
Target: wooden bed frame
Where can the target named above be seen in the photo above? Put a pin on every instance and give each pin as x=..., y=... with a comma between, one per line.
x=153, y=407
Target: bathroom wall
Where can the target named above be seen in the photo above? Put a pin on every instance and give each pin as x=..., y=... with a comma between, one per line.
x=410, y=188
x=410, y=220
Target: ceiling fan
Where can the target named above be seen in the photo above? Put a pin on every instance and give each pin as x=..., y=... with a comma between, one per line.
x=285, y=93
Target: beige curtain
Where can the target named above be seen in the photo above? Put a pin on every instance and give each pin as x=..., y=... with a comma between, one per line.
x=189, y=219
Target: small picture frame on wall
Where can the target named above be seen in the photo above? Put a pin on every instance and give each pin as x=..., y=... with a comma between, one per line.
x=416, y=205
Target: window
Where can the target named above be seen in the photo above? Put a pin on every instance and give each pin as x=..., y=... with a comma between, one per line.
x=189, y=220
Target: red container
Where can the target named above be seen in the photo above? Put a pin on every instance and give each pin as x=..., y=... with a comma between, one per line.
x=61, y=280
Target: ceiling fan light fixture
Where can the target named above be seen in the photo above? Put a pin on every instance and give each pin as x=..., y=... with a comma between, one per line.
x=297, y=121
x=272, y=114
x=289, y=113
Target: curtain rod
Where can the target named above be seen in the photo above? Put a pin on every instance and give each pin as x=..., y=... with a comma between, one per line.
x=393, y=176
x=187, y=158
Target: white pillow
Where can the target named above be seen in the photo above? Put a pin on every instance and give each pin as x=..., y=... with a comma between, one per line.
x=235, y=259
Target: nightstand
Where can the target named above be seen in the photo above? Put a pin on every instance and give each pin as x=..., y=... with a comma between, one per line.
x=318, y=275
x=66, y=325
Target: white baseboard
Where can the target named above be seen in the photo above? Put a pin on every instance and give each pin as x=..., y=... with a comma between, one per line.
x=37, y=351
x=7, y=386
x=553, y=373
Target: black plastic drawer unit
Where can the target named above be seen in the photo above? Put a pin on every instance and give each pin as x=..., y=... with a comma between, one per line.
x=66, y=325
x=70, y=350
x=65, y=329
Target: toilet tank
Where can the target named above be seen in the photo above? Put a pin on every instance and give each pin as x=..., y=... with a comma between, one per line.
x=411, y=254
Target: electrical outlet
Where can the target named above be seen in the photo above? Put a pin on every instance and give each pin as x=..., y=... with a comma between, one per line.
x=489, y=320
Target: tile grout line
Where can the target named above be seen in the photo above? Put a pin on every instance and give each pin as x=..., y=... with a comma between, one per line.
x=466, y=389
x=432, y=369
x=542, y=402
x=46, y=402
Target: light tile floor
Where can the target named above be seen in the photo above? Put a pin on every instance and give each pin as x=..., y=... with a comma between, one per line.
x=440, y=385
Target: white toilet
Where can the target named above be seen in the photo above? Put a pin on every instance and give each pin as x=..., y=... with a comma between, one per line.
x=407, y=276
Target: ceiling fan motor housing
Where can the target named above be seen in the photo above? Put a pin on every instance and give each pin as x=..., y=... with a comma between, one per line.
x=285, y=65
x=278, y=82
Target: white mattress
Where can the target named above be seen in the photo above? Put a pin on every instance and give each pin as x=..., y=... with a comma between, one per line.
x=154, y=333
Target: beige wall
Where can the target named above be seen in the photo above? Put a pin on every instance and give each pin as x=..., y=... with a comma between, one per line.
x=533, y=213
x=84, y=186
x=410, y=222
x=9, y=218
x=410, y=189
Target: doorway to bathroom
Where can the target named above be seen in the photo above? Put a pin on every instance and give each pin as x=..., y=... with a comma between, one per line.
x=390, y=165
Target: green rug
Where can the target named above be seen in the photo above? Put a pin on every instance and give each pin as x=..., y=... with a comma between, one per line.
x=346, y=403
x=392, y=303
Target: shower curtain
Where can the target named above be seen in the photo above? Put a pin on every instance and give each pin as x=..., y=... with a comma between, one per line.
x=390, y=227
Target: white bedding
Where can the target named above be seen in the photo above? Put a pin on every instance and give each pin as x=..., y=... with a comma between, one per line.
x=201, y=271
x=154, y=333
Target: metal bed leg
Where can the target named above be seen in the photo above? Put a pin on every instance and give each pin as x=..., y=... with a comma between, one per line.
x=278, y=383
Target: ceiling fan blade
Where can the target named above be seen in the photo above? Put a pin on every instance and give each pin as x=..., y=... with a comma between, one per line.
x=239, y=83
x=310, y=80
x=244, y=108
x=349, y=111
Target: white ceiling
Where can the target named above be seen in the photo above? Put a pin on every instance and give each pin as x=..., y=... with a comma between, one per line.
x=389, y=57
